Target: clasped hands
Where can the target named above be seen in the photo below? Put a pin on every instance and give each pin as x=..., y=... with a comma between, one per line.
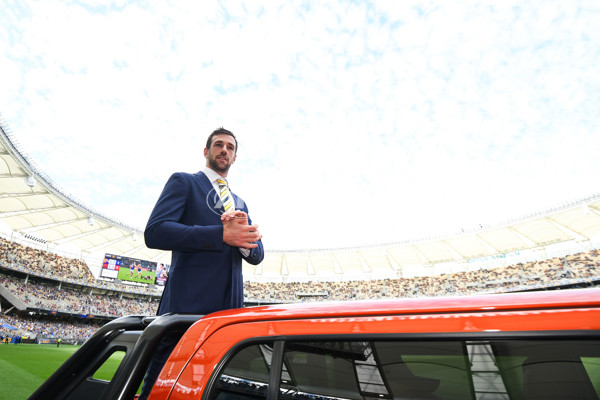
x=237, y=232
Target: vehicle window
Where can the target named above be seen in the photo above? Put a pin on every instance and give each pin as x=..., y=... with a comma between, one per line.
x=106, y=371
x=381, y=369
x=386, y=369
x=553, y=369
x=246, y=375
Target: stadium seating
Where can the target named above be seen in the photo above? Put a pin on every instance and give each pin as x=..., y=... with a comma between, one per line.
x=62, y=297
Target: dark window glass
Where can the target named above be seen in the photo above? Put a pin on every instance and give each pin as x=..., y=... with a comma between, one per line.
x=550, y=370
x=246, y=375
x=482, y=369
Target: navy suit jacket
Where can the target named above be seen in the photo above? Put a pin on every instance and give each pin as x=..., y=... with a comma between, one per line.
x=206, y=273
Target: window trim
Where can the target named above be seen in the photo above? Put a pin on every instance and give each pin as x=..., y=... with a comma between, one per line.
x=276, y=368
x=280, y=341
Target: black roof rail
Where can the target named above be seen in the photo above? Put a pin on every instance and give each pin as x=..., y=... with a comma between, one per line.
x=136, y=335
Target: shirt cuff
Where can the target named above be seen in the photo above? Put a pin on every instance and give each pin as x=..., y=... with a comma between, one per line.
x=245, y=252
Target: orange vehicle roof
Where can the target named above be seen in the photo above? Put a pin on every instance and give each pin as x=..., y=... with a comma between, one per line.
x=546, y=300
x=444, y=304
x=576, y=309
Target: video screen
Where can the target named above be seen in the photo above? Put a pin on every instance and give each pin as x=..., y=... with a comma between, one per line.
x=162, y=273
x=134, y=270
x=110, y=266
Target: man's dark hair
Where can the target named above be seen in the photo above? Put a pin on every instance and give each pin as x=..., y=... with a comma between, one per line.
x=221, y=131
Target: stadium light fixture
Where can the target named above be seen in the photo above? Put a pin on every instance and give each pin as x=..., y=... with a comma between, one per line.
x=30, y=181
x=586, y=209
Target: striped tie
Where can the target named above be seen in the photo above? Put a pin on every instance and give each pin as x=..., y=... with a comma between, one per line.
x=225, y=195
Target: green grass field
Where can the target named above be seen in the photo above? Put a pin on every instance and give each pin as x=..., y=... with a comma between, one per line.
x=24, y=367
x=124, y=275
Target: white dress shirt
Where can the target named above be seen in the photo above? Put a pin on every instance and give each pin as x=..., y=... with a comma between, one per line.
x=212, y=177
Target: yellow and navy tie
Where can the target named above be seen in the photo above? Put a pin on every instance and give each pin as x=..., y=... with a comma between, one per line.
x=225, y=195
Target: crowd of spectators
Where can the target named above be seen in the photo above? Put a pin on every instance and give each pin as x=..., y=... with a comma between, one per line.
x=43, y=263
x=48, y=265
x=46, y=296
x=553, y=272
x=29, y=327
x=64, y=285
x=556, y=271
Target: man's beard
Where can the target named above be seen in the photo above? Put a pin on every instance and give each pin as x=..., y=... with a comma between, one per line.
x=215, y=166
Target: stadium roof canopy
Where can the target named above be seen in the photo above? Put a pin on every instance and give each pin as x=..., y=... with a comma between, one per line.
x=34, y=209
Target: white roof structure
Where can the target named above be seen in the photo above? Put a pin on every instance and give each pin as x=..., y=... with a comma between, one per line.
x=33, y=208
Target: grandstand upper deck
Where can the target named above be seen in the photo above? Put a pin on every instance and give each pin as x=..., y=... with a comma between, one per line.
x=33, y=209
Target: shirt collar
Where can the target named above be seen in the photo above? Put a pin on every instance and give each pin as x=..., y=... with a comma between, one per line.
x=212, y=175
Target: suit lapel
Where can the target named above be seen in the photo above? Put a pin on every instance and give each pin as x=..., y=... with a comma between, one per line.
x=203, y=181
x=212, y=196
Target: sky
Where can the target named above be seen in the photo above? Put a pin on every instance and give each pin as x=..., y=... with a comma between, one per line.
x=358, y=122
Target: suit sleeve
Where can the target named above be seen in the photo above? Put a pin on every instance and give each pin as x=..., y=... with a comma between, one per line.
x=165, y=231
x=256, y=254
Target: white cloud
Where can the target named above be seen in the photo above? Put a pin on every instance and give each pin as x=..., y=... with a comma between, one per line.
x=468, y=112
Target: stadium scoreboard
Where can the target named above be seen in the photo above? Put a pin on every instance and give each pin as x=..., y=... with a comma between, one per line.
x=134, y=270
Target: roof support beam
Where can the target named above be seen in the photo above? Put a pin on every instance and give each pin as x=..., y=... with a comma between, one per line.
x=91, y=249
x=52, y=225
x=82, y=235
x=23, y=194
x=575, y=235
x=32, y=210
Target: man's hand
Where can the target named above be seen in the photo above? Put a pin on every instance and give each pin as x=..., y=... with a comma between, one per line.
x=237, y=232
x=234, y=214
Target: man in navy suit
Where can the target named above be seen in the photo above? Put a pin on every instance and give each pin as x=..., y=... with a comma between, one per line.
x=207, y=242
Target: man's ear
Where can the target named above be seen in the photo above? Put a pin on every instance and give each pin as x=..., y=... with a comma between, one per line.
x=205, y=152
x=234, y=157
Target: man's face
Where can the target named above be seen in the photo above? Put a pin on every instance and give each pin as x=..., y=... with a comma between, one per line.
x=221, y=154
